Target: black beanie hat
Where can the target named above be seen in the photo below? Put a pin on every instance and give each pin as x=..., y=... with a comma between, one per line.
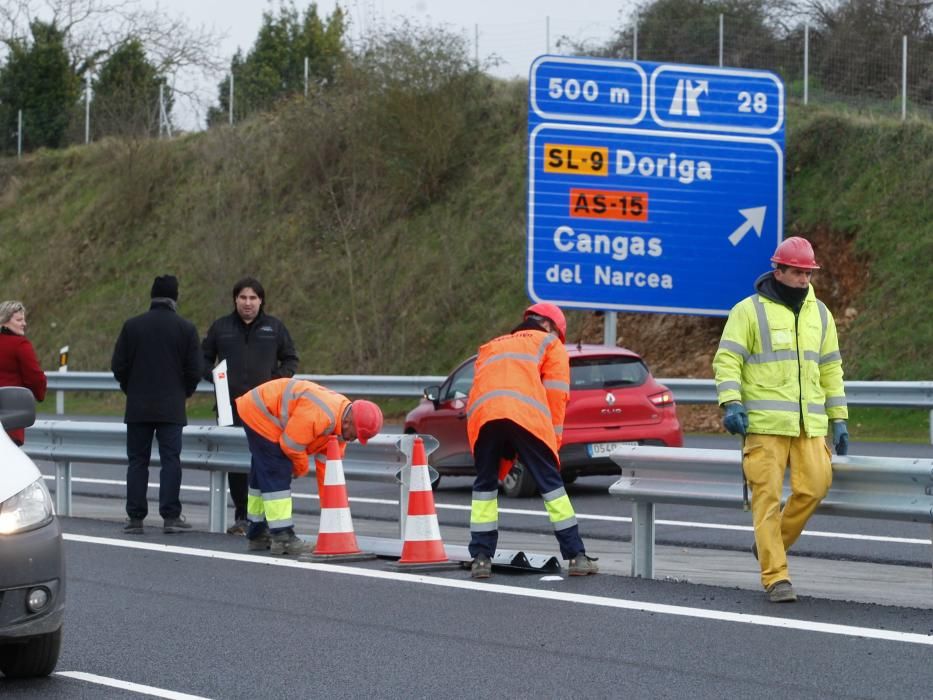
x=165, y=286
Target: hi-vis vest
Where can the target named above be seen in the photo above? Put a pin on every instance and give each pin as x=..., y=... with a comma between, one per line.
x=523, y=376
x=297, y=414
x=786, y=370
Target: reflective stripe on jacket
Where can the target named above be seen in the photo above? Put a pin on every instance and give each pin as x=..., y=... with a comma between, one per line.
x=785, y=369
x=297, y=414
x=525, y=377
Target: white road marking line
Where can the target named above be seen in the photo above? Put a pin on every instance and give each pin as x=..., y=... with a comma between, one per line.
x=580, y=516
x=126, y=685
x=599, y=601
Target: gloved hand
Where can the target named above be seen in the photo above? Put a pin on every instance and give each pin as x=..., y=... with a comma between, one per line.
x=736, y=419
x=841, y=437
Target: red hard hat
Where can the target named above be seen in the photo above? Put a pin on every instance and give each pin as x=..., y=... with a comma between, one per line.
x=367, y=419
x=795, y=252
x=552, y=313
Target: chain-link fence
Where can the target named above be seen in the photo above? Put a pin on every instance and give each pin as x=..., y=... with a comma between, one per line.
x=882, y=72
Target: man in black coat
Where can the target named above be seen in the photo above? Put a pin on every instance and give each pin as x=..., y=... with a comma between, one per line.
x=158, y=365
x=257, y=348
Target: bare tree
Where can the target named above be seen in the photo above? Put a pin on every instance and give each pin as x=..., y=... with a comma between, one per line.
x=95, y=29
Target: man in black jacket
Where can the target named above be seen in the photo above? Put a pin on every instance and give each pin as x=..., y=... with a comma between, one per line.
x=157, y=363
x=257, y=348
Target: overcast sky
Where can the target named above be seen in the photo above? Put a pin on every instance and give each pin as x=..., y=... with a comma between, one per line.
x=514, y=30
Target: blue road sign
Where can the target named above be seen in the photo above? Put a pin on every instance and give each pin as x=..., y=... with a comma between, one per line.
x=652, y=187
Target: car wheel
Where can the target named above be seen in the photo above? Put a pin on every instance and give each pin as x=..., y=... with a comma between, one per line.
x=518, y=483
x=37, y=657
x=569, y=477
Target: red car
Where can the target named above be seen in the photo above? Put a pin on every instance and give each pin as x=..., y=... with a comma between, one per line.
x=613, y=399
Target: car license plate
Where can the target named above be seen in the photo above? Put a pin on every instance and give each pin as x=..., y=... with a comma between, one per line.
x=604, y=449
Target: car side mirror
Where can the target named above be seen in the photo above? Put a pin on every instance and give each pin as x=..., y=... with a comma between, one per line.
x=431, y=393
x=17, y=407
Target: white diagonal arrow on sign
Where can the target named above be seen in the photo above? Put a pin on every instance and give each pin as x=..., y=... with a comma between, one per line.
x=754, y=219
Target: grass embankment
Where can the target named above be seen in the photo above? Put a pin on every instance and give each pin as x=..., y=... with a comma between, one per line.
x=386, y=220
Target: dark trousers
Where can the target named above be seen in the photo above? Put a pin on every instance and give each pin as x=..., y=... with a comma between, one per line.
x=500, y=439
x=238, y=483
x=270, y=474
x=138, y=452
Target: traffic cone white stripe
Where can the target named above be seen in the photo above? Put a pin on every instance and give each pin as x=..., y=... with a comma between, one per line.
x=333, y=473
x=336, y=520
x=422, y=528
x=420, y=479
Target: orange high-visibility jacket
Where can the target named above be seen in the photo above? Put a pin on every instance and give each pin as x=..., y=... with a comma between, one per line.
x=299, y=415
x=523, y=376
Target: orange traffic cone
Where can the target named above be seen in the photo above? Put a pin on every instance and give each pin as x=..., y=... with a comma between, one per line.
x=422, y=547
x=336, y=539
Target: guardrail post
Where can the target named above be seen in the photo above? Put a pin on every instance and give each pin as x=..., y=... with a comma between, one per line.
x=643, y=540
x=63, y=488
x=217, y=508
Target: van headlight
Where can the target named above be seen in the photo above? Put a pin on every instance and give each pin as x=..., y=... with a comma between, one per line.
x=26, y=510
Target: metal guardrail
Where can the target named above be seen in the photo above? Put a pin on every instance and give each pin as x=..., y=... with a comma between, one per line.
x=686, y=391
x=858, y=393
x=350, y=384
x=210, y=448
x=884, y=488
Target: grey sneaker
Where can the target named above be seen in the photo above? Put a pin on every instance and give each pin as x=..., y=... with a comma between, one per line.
x=582, y=565
x=259, y=543
x=289, y=543
x=481, y=566
x=238, y=528
x=781, y=592
x=173, y=525
x=133, y=526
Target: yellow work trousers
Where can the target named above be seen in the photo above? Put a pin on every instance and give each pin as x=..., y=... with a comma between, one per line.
x=776, y=529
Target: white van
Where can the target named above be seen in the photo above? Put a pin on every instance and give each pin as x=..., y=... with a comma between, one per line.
x=32, y=562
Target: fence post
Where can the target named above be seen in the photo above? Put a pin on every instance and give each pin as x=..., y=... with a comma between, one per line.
x=635, y=39
x=806, y=63
x=87, y=108
x=19, y=134
x=307, y=71
x=62, y=367
x=720, y=39
x=231, y=97
x=904, y=78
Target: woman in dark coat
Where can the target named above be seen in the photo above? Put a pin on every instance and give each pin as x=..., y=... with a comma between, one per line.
x=18, y=363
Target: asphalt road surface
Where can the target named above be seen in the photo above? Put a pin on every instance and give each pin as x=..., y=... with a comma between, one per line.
x=196, y=615
x=193, y=615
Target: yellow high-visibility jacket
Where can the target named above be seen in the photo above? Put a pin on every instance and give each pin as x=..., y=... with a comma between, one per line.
x=785, y=369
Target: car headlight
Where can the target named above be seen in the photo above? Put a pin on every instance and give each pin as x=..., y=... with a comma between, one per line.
x=30, y=508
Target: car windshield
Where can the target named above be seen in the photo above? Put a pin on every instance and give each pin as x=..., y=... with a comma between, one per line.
x=458, y=386
x=606, y=372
